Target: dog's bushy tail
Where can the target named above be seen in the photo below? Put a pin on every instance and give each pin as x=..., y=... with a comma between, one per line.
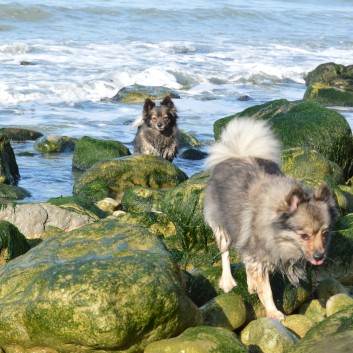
x=245, y=138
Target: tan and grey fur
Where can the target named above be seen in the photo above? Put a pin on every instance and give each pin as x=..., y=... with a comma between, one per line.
x=157, y=130
x=274, y=222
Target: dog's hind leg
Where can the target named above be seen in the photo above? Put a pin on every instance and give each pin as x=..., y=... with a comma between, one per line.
x=227, y=282
x=260, y=282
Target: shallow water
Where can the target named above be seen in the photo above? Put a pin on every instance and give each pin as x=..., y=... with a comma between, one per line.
x=61, y=60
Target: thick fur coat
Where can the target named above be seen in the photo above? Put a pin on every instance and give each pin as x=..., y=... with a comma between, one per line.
x=274, y=222
x=157, y=130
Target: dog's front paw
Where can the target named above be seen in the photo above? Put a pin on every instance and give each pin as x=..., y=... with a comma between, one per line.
x=227, y=284
x=276, y=314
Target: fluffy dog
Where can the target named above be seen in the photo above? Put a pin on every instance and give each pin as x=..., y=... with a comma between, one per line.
x=157, y=130
x=274, y=222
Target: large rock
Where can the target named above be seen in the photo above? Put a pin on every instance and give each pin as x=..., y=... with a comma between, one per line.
x=13, y=192
x=113, y=177
x=33, y=219
x=106, y=287
x=305, y=124
x=9, y=172
x=200, y=340
x=330, y=84
x=89, y=151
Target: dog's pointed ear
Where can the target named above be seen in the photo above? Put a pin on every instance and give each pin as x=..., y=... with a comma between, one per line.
x=295, y=197
x=323, y=193
x=149, y=105
x=167, y=101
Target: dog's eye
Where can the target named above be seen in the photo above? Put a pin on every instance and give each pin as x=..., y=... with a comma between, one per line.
x=305, y=236
x=165, y=118
x=154, y=118
x=324, y=236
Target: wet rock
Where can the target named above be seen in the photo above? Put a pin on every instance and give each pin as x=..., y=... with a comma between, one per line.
x=327, y=288
x=107, y=285
x=298, y=324
x=113, y=177
x=138, y=93
x=331, y=84
x=89, y=151
x=200, y=340
x=267, y=335
x=12, y=242
x=108, y=205
x=156, y=222
x=184, y=206
x=313, y=310
x=13, y=192
x=225, y=310
x=338, y=302
x=55, y=143
x=9, y=172
x=18, y=134
x=193, y=154
x=140, y=199
x=334, y=334
x=186, y=140
x=305, y=124
x=33, y=219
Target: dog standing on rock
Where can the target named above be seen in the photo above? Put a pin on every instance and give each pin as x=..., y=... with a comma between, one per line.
x=157, y=130
x=274, y=222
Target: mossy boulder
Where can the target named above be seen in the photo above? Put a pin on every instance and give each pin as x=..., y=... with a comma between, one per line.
x=12, y=242
x=193, y=154
x=107, y=285
x=18, y=134
x=187, y=140
x=314, y=310
x=331, y=84
x=89, y=151
x=9, y=172
x=183, y=205
x=200, y=339
x=155, y=222
x=298, y=324
x=337, y=303
x=305, y=124
x=113, y=177
x=138, y=93
x=140, y=199
x=225, y=310
x=334, y=334
x=13, y=192
x=311, y=167
x=55, y=144
x=267, y=335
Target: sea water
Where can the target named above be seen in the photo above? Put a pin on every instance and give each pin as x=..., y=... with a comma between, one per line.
x=61, y=61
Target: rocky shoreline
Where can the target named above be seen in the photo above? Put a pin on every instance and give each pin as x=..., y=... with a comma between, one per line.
x=127, y=264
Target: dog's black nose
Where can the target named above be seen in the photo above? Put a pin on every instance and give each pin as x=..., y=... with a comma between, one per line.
x=159, y=124
x=319, y=256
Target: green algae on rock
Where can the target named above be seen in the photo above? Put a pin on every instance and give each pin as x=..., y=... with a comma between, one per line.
x=183, y=205
x=12, y=242
x=18, y=134
x=89, y=151
x=107, y=285
x=138, y=93
x=9, y=172
x=305, y=124
x=54, y=144
x=13, y=192
x=330, y=84
x=200, y=339
x=113, y=177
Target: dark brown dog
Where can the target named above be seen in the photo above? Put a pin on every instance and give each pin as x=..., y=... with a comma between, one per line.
x=157, y=131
